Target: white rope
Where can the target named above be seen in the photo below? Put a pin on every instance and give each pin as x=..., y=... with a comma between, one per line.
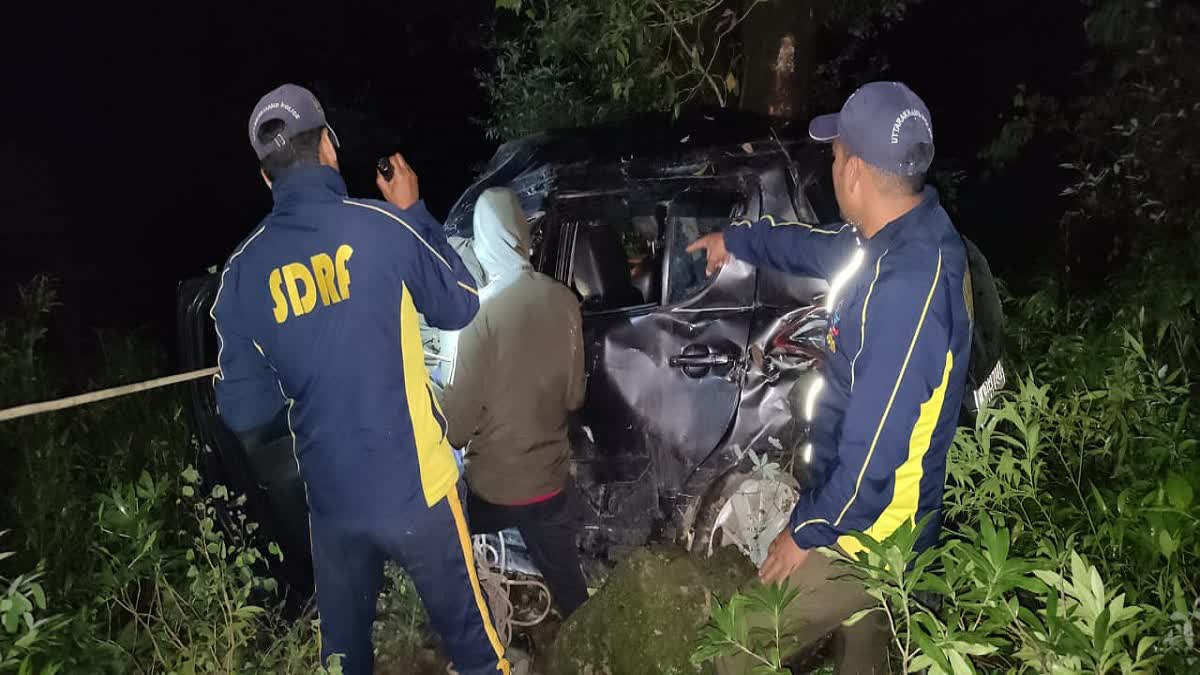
x=114, y=392
x=493, y=577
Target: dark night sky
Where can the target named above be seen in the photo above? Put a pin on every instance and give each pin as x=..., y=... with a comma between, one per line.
x=127, y=167
x=132, y=168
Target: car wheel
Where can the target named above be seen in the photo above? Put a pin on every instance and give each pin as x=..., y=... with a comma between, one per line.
x=753, y=507
x=747, y=510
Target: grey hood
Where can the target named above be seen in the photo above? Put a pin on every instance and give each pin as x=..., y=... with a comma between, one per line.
x=501, y=239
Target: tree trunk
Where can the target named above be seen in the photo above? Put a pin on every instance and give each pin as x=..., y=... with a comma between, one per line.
x=778, y=40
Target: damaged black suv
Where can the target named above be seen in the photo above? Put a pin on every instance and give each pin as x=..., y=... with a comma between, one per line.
x=695, y=384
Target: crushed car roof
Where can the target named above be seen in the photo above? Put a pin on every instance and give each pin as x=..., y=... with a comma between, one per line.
x=645, y=148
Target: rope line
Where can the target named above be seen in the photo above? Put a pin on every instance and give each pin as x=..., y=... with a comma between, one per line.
x=103, y=394
x=492, y=568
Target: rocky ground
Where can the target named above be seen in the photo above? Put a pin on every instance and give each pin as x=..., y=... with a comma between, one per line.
x=646, y=616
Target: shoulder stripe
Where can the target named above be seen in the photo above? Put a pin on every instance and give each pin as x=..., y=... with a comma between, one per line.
x=396, y=218
x=793, y=223
x=212, y=311
x=937, y=274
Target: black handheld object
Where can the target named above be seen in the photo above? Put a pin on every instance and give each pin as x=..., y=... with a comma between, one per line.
x=385, y=168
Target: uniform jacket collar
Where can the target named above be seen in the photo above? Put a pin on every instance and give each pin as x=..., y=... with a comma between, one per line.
x=892, y=231
x=309, y=183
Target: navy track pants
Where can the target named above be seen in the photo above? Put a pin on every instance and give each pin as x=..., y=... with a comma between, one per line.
x=434, y=547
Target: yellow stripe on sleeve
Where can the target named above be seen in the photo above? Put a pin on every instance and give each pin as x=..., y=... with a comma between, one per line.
x=906, y=493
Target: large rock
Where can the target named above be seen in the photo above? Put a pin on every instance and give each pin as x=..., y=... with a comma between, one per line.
x=646, y=617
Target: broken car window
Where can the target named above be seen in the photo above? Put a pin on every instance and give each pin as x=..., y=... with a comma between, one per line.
x=693, y=215
x=617, y=257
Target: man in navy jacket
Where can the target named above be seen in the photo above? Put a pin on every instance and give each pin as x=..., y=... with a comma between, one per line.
x=317, y=318
x=884, y=412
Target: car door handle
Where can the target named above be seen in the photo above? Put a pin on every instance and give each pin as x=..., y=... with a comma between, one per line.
x=693, y=360
x=697, y=360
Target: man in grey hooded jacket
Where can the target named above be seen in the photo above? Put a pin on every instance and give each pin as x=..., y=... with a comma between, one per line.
x=517, y=375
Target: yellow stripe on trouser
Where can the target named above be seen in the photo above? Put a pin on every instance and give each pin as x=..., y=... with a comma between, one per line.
x=464, y=539
x=906, y=494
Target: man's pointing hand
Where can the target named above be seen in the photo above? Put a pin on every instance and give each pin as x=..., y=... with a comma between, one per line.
x=714, y=246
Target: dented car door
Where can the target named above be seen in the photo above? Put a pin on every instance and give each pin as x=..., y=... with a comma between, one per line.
x=662, y=342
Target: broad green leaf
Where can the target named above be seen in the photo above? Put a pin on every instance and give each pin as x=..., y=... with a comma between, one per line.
x=510, y=5
x=1144, y=645
x=27, y=640
x=931, y=650
x=975, y=649
x=12, y=619
x=1167, y=544
x=1100, y=632
x=920, y=663
x=1101, y=504
x=960, y=665
x=714, y=645
x=860, y=615
x=1030, y=584
x=1179, y=491
x=934, y=583
x=39, y=596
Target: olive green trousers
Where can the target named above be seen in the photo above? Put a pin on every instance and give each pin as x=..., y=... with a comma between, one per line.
x=827, y=598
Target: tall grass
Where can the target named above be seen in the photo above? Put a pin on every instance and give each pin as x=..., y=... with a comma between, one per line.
x=112, y=561
x=112, y=558
x=60, y=459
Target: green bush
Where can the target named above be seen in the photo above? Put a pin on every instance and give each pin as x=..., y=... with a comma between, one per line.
x=1070, y=542
x=29, y=634
x=188, y=601
x=120, y=565
x=591, y=61
x=60, y=459
x=161, y=601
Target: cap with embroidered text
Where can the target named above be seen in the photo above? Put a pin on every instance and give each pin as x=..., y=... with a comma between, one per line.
x=299, y=111
x=885, y=124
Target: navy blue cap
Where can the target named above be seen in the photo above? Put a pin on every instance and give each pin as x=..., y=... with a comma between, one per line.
x=299, y=111
x=885, y=124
